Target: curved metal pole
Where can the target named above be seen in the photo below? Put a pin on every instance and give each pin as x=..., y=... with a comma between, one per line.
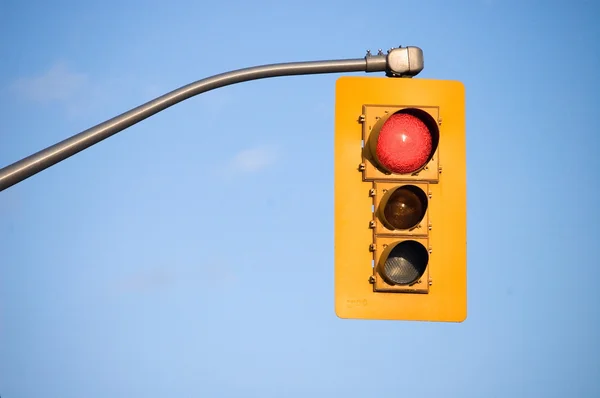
x=399, y=61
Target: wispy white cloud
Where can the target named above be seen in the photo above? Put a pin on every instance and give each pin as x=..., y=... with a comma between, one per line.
x=147, y=280
x=178, y=275
x=255, y=159
x=81, y=95
x=56, y=84
x=215, y=102
x=10, y=202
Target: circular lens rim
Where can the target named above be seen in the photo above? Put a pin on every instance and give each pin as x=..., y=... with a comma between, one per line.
x=421, y=196
x=419, y=253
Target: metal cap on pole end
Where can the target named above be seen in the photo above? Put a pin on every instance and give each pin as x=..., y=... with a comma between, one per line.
x=404, y=61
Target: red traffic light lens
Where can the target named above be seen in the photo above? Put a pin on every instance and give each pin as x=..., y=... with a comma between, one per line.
x=404, y=144
x=405, y=207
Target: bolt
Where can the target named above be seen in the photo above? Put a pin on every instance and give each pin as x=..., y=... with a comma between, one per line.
x=372, y=224
x=430, y=226
x=430, y=250
x=372, y=192
x=430, y=195
x=371, y=279
x=430, y=281
x=361, y=167
x=440, y=121
x=361, y=119
x=440, y=169
x=372, y=247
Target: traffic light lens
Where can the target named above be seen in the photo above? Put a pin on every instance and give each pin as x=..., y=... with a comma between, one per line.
x=406, y=263
x=405, y=207
x=405, y=143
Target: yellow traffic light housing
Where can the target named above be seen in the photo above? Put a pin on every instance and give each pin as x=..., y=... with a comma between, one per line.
x=400, y=199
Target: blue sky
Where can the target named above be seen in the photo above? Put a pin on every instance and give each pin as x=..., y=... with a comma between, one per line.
x=192, y=254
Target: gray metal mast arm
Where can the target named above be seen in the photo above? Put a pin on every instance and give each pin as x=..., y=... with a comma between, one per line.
x=403, y=61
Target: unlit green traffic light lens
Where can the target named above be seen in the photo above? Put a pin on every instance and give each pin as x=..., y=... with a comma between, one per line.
x=406, y=263
x=405, y=207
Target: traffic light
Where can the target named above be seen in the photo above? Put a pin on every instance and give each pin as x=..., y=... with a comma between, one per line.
x=400, y=199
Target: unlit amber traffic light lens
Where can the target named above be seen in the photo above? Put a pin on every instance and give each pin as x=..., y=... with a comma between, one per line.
x=405, y=208
x=404, y=144
x=406, y=263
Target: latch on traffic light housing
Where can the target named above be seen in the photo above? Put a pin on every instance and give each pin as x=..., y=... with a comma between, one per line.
x=400, y=224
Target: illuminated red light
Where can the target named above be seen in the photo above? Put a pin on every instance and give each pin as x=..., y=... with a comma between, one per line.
x=404, y=144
